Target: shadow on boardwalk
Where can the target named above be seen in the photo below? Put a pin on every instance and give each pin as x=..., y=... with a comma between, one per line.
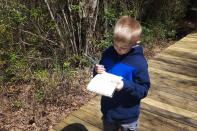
x=171, y=104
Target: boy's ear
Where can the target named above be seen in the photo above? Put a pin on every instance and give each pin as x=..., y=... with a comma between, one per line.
x=138, y=42
x=135, y=43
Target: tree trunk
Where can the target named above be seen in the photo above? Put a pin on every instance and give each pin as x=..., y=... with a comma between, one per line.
x=89, y=19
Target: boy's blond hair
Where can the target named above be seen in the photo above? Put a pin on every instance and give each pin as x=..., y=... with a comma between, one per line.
x=127, y=29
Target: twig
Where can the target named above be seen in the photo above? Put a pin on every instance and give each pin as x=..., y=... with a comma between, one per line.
x=72, y=42
x=25, y=43
x=57, y=27
x=42, y=59
x=38, y=36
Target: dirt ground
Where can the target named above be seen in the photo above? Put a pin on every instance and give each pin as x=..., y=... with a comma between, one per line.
x=29, y=115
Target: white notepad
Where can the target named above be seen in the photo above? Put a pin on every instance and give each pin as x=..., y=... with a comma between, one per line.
x=101, y=84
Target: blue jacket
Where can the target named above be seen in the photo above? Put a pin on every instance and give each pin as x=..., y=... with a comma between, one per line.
x=124, y=106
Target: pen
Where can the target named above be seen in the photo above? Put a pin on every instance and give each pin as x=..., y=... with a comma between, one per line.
x=91, y=59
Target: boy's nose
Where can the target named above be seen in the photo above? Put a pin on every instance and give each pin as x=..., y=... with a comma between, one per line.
x=119, y=51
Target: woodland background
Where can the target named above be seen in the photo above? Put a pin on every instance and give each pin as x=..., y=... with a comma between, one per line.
x=43, y=72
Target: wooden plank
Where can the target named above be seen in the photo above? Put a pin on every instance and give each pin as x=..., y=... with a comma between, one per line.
x=72, y=119
x=186, y=93
x=98, y=97
x=187, y=55
x=189, y=39
x=94, y=103
x=90, y=118
x=186, y=45
x=180, y=48
x=60, y=126
x=91, y=110
x=178, y=69
x=174, y=91
x=174, y=100
x=95, y=100
x=170, y=108
x=51, y=129
x=174, y=82
x=176, y=60
x=173, y=74
x=170, y=112
x=164, y=86
x=93, y=106
x=153, y=122
x=193, y=34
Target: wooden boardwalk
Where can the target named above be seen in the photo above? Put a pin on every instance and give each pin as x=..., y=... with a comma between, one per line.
x=171, y=104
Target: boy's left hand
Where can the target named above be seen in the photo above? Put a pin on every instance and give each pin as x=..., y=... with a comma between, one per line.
x=119, y=84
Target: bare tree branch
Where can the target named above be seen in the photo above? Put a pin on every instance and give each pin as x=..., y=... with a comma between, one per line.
x=38, y=36
x=73, y=42
x=97, y=11
x=57, y=27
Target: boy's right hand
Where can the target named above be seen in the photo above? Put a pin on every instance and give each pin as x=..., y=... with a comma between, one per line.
x=99, y=69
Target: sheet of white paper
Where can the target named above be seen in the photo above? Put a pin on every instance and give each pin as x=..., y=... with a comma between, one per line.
x=101, y=84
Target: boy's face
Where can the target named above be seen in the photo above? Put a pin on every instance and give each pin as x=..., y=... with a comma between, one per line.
x=122, y=47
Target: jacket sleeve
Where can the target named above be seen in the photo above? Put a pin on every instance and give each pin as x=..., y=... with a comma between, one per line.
x=141, y=82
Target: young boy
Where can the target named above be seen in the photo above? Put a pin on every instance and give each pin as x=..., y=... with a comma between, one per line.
x=125, y=58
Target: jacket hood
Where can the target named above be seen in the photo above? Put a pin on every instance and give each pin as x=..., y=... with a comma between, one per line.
x=135, y=50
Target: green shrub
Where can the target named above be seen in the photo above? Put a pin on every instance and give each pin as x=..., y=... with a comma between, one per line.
x=42, y=75
x=18, y=103
x=147, y=36
x=17, y=17
x=16, y=68
x=110, y=16
x=39, y=96
x=158, y=31
x=105, y=42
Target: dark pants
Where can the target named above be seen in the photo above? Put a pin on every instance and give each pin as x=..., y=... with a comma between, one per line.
x=108, y=126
